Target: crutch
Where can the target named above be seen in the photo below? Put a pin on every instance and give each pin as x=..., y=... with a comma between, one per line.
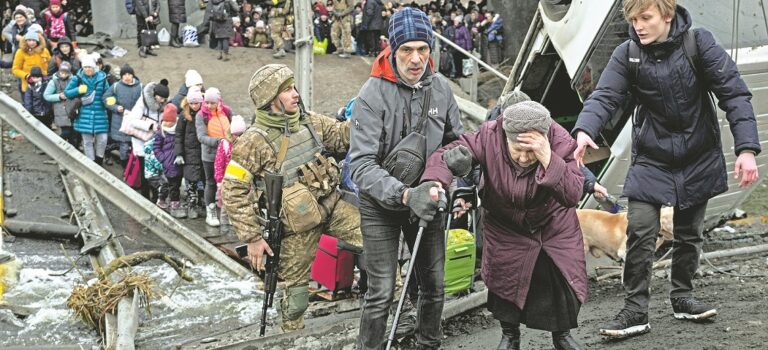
x=442, y=205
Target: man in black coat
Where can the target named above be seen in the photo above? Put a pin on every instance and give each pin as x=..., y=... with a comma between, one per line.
x=177, y=14
x=372, y=26
x=677, y=157
x=147, y=12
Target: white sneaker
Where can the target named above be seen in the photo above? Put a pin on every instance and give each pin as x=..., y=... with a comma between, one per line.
x=210, y=215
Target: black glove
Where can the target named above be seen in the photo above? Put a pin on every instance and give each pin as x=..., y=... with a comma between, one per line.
x=421, y=203
x=459, y=161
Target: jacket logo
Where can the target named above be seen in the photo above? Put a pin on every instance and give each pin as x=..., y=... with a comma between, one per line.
x=433, y=112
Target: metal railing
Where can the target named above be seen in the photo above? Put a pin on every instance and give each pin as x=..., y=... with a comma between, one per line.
x=471, y=56
x=162, y=224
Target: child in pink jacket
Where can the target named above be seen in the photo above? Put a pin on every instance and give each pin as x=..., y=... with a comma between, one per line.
x=224, y=153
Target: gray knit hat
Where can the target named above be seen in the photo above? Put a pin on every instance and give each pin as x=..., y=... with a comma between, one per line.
x=526, y=116
x=511, y=98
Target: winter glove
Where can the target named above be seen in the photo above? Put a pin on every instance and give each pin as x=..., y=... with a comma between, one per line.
x=459, y=161
x=82, y=89
x=179, y=160
x=420, y=201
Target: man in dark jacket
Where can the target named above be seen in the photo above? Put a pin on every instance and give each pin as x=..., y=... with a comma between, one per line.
x=677, y=158
x=147, y=12
x=372, y=26
x=401, y=80
x=177, y=14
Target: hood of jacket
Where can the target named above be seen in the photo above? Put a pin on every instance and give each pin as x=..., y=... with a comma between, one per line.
x=680, y=24
x=136, y=81
x=41, y=43
x=149, y=98
x=384, y=68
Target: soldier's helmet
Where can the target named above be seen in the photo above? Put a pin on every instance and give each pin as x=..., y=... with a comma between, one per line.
x=266, y=82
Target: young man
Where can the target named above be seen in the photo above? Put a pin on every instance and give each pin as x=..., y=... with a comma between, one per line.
x=309, y=178
x=389, y=107
x=677, y=158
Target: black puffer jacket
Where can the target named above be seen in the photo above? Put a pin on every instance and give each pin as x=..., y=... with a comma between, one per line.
x=186, y=143
x=146, y=8
x=177, y=11
x=220, y=30
x=372, y=18
x=677, y=158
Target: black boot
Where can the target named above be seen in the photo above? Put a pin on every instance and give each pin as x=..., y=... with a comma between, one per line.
x=99, y=160
x=564, y=341
x=175, y=42
x=123, y=163
x=143, y=52
x=510, y=336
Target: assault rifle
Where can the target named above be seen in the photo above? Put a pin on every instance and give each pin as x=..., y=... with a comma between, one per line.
x=273, y=234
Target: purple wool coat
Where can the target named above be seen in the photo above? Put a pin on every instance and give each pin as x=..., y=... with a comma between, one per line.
x=523, y=213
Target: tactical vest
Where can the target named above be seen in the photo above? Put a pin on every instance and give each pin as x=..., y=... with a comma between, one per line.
x=340, y=5
x=304, y=161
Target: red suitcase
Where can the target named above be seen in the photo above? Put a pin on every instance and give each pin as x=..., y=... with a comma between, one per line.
x=333, y=267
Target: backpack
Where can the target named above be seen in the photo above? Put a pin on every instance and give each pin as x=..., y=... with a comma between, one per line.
x=219, y=12
x=130, y=7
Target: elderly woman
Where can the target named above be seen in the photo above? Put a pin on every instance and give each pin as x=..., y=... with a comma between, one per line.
x=533, y=255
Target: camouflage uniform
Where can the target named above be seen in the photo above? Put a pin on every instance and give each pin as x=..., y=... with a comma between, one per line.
x=253, y=155
x=341, y=29
x=279, y=17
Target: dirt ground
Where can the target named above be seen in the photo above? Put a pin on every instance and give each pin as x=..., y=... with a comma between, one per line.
x=336, y=80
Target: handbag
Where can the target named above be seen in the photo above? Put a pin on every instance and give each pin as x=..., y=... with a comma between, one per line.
x=142, y=128
x=88, y=99
x=74, y=110
x=149, y=37
x=132, y=173
x=407, y=160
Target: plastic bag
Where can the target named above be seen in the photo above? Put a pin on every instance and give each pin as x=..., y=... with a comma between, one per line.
x=189, y=36
x=319, y=47
x=163, y=36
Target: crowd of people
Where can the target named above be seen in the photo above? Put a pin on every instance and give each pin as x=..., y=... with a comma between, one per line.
x=342, y=27
x=533, y=260
x=159, y=138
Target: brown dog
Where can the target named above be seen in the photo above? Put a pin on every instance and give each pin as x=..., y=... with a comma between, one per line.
x=606, y=232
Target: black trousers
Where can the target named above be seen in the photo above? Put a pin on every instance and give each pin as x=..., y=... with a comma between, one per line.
x=643, y=226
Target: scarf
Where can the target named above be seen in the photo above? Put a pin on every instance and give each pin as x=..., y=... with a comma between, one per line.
x=277, y=120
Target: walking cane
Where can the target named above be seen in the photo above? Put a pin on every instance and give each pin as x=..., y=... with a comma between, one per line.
x=442, y=205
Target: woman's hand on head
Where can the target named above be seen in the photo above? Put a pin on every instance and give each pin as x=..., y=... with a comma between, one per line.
x=538, y=144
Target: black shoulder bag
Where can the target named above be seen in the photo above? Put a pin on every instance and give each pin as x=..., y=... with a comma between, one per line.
x=407, y=160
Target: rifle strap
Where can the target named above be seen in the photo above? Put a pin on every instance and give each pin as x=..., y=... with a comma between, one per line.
x=282, y=152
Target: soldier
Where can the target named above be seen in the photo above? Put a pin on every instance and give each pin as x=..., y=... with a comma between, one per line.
x=341, y=30
x=278, y=24
x=311, y=203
